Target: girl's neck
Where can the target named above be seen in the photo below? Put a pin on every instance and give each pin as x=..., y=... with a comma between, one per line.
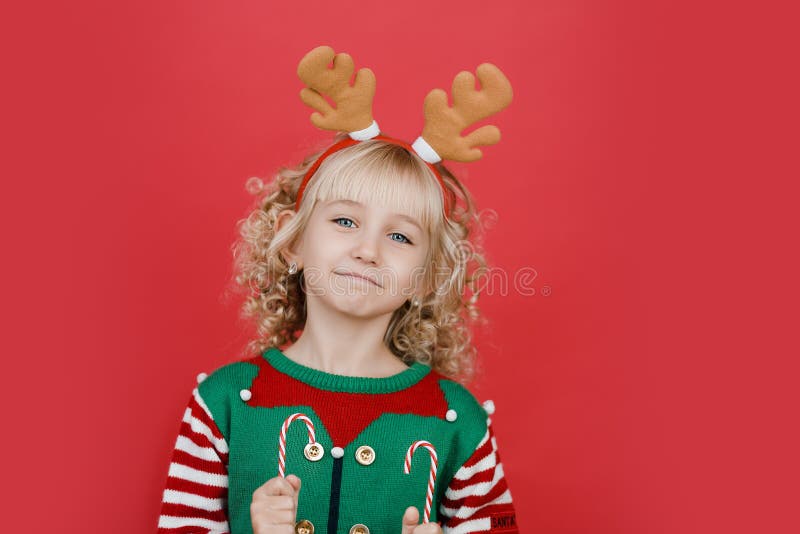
x=344, y=346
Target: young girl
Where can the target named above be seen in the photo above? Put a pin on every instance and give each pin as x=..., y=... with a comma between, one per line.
x=349, y=417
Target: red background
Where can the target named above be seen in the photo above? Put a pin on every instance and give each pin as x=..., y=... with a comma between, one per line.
x=643, y=174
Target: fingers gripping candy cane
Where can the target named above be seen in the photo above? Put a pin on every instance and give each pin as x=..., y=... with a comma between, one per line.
x=313, y=450
x=431, y=480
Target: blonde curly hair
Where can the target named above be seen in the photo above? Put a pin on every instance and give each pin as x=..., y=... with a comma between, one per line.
x=437, y=331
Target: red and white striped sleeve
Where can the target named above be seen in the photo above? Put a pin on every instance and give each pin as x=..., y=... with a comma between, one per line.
x=196, y=493
x=478, y=498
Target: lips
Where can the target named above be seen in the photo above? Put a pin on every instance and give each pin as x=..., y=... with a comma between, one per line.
x=355, y=275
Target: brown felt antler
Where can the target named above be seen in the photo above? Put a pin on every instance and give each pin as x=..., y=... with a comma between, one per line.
x=353, y=111
x=444, y=124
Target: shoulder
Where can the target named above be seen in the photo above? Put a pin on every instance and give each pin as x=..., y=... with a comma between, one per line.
x=223, y=386
x=225, y=379
x=469, y=411
x=461, y=399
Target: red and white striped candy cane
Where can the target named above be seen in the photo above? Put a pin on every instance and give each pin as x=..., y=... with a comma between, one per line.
x=282, y=440
x=431, y=480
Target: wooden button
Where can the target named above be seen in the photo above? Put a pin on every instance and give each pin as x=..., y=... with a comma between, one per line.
x=365, y=455
x=304, y=526
x=314, y=451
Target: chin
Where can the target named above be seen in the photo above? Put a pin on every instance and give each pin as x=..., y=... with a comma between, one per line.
x=360, y=306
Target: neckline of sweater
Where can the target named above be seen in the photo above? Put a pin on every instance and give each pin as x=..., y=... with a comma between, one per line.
x=344, y=383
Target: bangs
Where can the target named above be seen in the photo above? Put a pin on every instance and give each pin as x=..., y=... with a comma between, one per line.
x=380, y=173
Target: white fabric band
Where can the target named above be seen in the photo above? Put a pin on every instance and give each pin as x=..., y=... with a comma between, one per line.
x=425, y=151
x=367, y=133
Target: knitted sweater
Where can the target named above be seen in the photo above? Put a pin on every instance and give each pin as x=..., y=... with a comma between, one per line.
x=241, y=424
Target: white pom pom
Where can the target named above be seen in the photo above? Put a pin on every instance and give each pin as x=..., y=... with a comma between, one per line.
x=451, y=415
x=201, y=377
x=337, y=452
x=245, y=395
x=489, y=407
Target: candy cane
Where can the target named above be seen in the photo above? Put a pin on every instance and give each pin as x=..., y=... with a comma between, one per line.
x=432, y=480
x=282, y=440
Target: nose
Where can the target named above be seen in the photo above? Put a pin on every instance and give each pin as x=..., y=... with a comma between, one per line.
x=366, y=249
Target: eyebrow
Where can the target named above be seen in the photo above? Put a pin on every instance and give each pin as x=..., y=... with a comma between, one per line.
x=402, y=216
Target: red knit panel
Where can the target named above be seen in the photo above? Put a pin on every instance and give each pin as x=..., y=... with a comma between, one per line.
x=476, y=501
x=202, y=441
x=502, y=518
x=208, y=466
x=195, y=488
x=477, y=478
x=346, y=415
x=181, y=510
x=187, y=530
x=481, y=452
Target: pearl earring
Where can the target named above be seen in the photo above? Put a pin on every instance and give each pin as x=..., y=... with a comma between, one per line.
x=293, y=268
x=415, y=301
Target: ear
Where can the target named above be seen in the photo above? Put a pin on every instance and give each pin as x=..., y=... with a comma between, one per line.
x=290, y=253
x=421, y=289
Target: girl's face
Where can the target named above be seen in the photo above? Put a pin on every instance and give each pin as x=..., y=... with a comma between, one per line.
x=362, y=260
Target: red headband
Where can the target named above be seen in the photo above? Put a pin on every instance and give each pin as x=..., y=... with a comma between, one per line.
x=344, y=143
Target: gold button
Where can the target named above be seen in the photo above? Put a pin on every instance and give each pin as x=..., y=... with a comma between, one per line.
x=304, y=526
x=358, y=528
x=314, y=451
x=365, y=456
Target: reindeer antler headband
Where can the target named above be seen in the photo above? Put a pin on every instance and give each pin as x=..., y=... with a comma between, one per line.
x=441, y=136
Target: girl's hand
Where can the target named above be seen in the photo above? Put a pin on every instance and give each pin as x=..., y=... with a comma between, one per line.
x=274, y=506
x=411, y=523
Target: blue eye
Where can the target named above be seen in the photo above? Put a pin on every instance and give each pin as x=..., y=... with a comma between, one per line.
x=343, y=219
x=401, y=235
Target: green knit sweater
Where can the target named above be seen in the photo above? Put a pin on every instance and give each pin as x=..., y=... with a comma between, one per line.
x=244, y=406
